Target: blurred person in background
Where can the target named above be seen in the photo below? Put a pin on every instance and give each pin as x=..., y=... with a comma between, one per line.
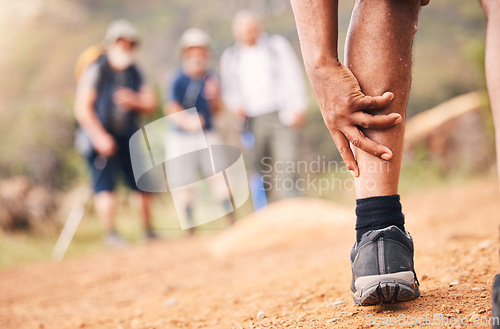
x=263, y=83
x=111, y=96
x=195, y=85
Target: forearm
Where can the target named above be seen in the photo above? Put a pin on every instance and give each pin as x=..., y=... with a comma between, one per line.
x=91, y=124
x=86, y=116
x=317, y=26
x=184, y=119
x=342, y=103
x=215, y=104
x=145, y=101
x=172, y=107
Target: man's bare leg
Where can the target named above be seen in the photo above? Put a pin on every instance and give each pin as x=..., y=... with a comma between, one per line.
x=105, y=203
x=145, y=203
x=378, y=52
x=377, y=78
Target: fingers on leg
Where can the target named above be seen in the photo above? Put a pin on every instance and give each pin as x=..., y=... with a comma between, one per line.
x=345, y=151
x=359, y=140
x=374, y=102
x=379, y=122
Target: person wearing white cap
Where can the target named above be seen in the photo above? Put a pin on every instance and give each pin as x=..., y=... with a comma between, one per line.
x=263, y=83
x=195, y=86
x=111, y=96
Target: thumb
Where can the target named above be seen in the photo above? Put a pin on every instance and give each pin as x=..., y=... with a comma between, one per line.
x=376, y=102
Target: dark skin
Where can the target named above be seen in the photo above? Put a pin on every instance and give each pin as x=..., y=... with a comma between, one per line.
x=363, y=102
x=382, y=64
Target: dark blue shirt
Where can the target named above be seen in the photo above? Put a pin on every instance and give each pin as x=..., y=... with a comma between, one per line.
x=190, y=93
x=106, y=81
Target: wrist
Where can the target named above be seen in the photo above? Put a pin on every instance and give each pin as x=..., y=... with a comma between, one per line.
x=327, y=69
x=321, y=60
x=98, y=134
x=136, y=101
x=330, y=70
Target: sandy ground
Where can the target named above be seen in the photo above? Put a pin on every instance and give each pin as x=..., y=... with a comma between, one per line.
x=286, y=267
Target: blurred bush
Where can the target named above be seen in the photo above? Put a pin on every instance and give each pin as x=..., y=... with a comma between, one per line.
x=24, y=206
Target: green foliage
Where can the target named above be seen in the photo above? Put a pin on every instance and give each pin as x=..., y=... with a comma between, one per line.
x=422, y=172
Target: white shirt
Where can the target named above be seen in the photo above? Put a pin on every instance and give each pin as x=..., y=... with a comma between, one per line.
x=255, y=78
x=264, y=78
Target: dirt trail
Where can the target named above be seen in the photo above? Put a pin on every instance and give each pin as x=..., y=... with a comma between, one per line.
x=286, y=267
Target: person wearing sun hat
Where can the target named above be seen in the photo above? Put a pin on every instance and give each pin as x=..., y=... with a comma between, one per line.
x=111, y=97
x=195, y=85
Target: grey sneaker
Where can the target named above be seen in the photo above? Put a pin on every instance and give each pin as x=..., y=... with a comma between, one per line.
x=495, y=306
x=382, y=267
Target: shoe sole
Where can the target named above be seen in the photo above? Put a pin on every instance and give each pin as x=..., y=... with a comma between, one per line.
x=385, y=288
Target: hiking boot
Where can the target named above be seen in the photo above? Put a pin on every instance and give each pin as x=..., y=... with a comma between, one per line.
x=382, y=267
x=495, y=303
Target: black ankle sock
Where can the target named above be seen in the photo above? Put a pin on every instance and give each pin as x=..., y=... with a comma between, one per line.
x=378, y=212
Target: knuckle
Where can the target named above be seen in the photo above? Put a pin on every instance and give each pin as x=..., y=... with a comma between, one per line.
x=351, y=103
x=330, y=126
x=342, y=150
x=356, y=142
x=378, y=151
x=328, y=116
x=332, y=120
x=349, y=164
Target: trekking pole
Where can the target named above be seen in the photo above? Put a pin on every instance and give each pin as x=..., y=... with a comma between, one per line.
x=75, y=217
